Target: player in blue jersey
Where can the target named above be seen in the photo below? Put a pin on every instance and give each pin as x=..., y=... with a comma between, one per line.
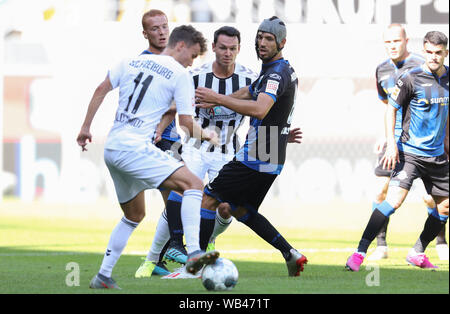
x=421, y=151
x=242, y=184
x=399, y=61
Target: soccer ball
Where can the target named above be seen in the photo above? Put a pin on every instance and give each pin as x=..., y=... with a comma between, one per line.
x=220, y=276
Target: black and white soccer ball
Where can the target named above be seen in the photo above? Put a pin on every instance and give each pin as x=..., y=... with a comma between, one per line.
x=220, y=276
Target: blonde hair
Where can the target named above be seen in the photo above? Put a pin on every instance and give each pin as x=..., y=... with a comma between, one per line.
x=152, y=13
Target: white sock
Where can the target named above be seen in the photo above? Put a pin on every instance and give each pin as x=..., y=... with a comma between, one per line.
x=162, y=235
x=190, y=217
x=221, y=224
x=117, y=242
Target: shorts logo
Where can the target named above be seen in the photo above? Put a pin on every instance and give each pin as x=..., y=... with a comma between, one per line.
x=272, y=87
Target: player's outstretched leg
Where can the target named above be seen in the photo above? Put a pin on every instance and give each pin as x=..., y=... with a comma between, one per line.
x=295, y=261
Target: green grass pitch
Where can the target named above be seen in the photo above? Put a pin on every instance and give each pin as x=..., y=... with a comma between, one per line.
x=38, y=251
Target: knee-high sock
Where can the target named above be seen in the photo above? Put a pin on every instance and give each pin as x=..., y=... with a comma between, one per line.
x=206, y=226
x=220, y=225
x=262, y=227
x=376, y=222
x=162, y=236
x=117, y=242
x=190, y=217
x=433, y=225
x=174, y=216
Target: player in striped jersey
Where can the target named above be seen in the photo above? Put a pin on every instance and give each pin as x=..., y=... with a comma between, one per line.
x=224, y=76
x=400, y=60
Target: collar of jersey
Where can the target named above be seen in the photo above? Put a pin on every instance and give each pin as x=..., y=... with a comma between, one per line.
x=429, y=73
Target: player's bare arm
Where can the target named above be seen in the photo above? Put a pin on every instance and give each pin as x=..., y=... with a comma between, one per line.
x=97, y=99
x=166, y=120
x=242, y=93
x=391, y=157
x=257, y=109
x=195, y=130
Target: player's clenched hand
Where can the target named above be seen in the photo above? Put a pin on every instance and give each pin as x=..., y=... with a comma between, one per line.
x=211, y=136
x=390, y=157
x=295, y=136
x=83, y=137
x=206, y=96
x=158, y=136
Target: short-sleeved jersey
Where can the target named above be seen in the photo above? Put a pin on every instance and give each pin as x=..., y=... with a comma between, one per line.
x=170, y=133
x=423, y=98
x=265, y=146
x=386, y=75
x=147, y=86
x=225, y=121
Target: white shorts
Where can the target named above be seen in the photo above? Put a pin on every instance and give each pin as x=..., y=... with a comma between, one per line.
x=133, y=172
x=200, y=162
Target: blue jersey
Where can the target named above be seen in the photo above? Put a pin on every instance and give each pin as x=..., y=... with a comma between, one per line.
x=423, y=98
x=386, y=75
x=170, y=133
x=265, y=146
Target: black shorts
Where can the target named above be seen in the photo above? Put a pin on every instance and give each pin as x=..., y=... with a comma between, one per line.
x=239, y=185
x=172, y=148
x=379, y=171
x=432, y=170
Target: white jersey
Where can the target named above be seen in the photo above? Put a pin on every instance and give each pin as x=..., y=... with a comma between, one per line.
x=148, y=84
x=225, y=121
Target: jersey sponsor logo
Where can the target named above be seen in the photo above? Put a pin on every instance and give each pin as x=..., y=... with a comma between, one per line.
x=426, y=84
x=219, y=113
x=440, y=100
x=272, y=87
x=423, y=101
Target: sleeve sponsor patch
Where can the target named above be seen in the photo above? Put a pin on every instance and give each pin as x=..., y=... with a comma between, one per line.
x=395, y=92
x=272, y=87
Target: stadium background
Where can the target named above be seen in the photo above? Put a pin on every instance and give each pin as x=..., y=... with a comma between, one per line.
x=53, y=53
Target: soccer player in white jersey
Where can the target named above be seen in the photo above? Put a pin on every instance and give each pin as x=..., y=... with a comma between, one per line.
x=147, y=86
x=155, y=29
x=225, y=76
